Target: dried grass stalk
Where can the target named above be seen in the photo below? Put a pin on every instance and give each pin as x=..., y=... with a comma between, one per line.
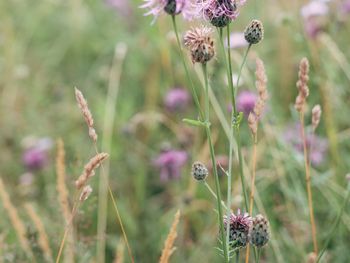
x=83, y=105
x=261, y=81
x=89, y=169
x=63, y=197
x=85, y=193
x=316, y=116
x=169, y=242
x=302, y=85
x=16, y=221
x=43, y=238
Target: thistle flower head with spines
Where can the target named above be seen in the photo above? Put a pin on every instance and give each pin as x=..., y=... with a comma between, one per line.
x=260, y=231
x=200, y=43
x=254, y=32
x=219, y=12
x=239, y=229
x=171, y=7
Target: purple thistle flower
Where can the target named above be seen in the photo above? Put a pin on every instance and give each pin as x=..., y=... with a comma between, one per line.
x=345, y=7
x=35, y=155
x=170, y=163
x=239, y=229
x=245, y=102
x=177, y=99
x=219, y=12
x=171, y=7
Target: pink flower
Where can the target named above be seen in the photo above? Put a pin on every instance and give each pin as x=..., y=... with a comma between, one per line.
x=170, y=163
x=36, y=153
x=177, y=99
x=219, y=12
x=171, y=7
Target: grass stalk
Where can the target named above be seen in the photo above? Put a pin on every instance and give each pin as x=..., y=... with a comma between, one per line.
x=308, y=184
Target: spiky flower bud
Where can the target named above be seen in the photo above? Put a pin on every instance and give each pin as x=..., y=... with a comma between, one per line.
x=200, y=44
x=170, y=7
x=254, y=32
x=199, y=171
x=260, y=231
x=239, y=226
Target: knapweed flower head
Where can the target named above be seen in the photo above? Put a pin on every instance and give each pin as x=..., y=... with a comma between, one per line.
x=171, y=7
x=170, y=163
x=254, y=32
x=239, y=226
x=259, y=231
x=200, y=44
x=199, y=171
x=219, y=12
x=177, y=99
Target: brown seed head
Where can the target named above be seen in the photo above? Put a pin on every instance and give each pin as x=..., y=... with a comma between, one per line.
x=316, y=116
x=302, y=85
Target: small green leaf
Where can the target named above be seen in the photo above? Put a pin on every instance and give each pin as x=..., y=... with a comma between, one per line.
x=194, y=122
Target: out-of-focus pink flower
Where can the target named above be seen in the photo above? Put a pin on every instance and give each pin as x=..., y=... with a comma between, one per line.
x=237, y=40
x=171, y=7
x=345, y=7
x=245, y=102
x=177, y=99
x=313, y=15
x=317, y=145
x=170, y=163
x=35, y=155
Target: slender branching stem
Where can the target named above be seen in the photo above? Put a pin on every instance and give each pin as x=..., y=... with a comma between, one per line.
x=308, y=183
x=336, y=223
x=212, y=155
x=213, y=194
x=189, y=79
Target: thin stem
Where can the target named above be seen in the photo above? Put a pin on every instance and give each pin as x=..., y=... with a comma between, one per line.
x=213, y=194
x=212, y=155
x=258, y=256
x=117, y=210
x=251, y=198
x=237, y=256
x=241, y=67
x=308, y=184
x=336, y=223
x=189, y=79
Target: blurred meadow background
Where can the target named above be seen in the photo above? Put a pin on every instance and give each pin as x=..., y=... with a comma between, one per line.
x=131, y=74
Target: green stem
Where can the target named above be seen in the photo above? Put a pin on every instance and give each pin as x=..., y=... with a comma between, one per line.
x=258, y=256
x=212, y=155
x=337, y=221
x=189, y=79
x=213, y=194
x=237, y=256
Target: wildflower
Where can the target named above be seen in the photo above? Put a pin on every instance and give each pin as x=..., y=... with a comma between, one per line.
x=345, y=7
x=219, y=12
x=237, y=40
x=200, y=44
x=259, y=231
x=316, y=116
x=239, y=229
x=314, y=14
x=36, y=152
x=170, y=163
x=246, y=101
x=171, y=7
x=254, y=32
x=85, y=193
x=199, y=171
x=177, y=99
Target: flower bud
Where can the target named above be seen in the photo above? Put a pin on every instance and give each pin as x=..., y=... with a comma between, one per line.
x=260, y=231
x=199, y=171
x=254, y=32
